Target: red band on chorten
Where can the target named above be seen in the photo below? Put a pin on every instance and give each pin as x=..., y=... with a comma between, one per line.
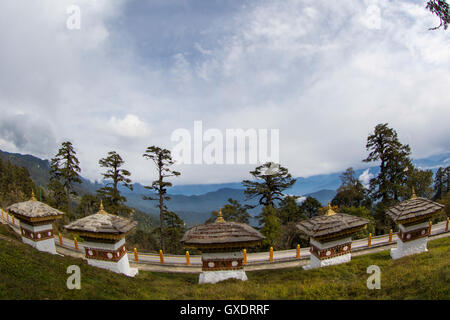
x=105, y=255
x=331, y=252
x=413, y=234
x=222, y=264
x=37, y=236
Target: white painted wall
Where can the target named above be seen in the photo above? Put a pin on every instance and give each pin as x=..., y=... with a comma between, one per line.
x=38, y=228
x=121, y=266
x=315, y=262
x=43, y=245
x=409, y=247
x=217, y=276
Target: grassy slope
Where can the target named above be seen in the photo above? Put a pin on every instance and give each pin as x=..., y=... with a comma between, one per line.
x=28, y=274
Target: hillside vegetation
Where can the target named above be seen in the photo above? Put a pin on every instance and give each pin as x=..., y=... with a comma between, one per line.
x=28, y=274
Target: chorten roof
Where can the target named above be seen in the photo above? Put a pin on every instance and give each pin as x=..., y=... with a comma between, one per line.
x=331, y=225
x=221, y=234
x=102, y=225
x=414, y=209
x=33, y=210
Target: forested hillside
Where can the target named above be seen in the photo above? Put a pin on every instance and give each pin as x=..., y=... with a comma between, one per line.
x=15, y=183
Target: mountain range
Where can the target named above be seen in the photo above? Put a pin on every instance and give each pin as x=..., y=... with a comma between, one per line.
x=194, y=203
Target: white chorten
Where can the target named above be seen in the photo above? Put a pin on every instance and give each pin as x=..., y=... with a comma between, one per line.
x=36, y=223
x=221, y=244
x=412, y=217
x=104, y=240
x=330, y=237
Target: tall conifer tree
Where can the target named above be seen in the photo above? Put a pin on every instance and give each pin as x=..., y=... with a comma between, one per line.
x=163, y=161
x=388, y=187
x=351, y=192
x=442, y=10
x=65, y=168
x=270, y=181
x=441, y=182
x=393, y=156
x=117, y=176
x=232, y=211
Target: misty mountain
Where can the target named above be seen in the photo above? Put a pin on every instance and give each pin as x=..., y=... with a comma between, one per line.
x=314, y=183
x=194, y=203
x=40, y=171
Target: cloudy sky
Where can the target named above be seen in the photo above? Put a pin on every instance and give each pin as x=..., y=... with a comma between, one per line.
x=322, y=72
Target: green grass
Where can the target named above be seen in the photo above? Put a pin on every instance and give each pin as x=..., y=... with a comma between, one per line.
x=28, y=274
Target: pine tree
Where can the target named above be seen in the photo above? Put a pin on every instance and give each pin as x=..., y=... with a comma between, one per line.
x=16, y=184
x=421, y=181
x=114, y=201
x=446, y=202
x=232, y=211
x=351, y=192
x=163, y=161
x=447, y=171
x=389, y=186
x=174, y=230
x=89, y=204
x=441, y=9
x=57, y=195
x=289, y=211
x=271, y=181
x=361, y=212
x=385, y=147
x=310, y=206
x=64, y=167
x=441, y=183
x=289, y=214
x=271, y=226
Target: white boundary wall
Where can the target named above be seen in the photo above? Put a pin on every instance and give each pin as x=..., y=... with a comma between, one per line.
x=315, y=262
x=216, y=276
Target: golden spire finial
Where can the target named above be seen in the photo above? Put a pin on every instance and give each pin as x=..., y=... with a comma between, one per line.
x=220, y=218
x=413, y=196
x=101, y=211
x=33, y=198
x=330, y=210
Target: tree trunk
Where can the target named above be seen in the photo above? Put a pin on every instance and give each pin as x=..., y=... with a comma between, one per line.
x=161, y=218
x=68, y=202
x=116, y=191
x=161, y=208
x=448, y=179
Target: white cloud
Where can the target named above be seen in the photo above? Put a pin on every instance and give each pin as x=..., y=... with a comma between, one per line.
x=308, y=68
x=365, y=178
x=301, y=199
x=21, y=132
x=130, y=126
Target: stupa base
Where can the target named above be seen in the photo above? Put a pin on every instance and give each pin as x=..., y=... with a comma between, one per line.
x=410, y=247
x=98, y=254
x=315, y=262
x=121, y=266
x=47, y=245
x=39, y=237
x=217, y=276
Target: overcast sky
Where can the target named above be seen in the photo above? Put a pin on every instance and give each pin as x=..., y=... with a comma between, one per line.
x=322, y=72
